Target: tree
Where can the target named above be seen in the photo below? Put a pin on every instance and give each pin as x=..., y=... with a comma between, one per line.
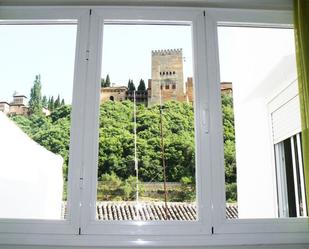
x=35, y=102
x=45, y=102
x=107, y=81
x=63, y=112
x=141, y=86
x=62, y=102
x=131, y=85
x=103, y=82
x=51, y=104
x=57, y=102
x=110, y=185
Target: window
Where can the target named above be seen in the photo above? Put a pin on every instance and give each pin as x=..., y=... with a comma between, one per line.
x=38, y=183
x=255, y=83
x=147, y=127
x=261, y=60
x=40, y=192
x=290, y=178
x=146, y=155
x=116, y=133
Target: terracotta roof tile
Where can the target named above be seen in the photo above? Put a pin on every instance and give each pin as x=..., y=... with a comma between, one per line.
x=147, y=211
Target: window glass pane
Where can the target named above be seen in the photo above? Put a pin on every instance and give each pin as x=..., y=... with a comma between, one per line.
x=261, y=118
x=37, y=63
x=146, y=161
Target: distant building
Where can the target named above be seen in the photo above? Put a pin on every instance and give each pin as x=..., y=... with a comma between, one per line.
x=18, y=106
x=114, y=93
x=141, y=97
x=166, y=83
x=121, y=93
x=167, y=76
x=4, y=107
x=226, y=88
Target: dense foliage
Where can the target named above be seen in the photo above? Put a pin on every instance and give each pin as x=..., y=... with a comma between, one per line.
x=116, y=143
x=111, y=187
x=116, y=140
x=229, y=147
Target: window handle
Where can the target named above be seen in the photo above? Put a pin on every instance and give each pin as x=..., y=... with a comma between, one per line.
x=205, y=120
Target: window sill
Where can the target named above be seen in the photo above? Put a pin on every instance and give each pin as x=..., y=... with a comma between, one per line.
x=157, y=241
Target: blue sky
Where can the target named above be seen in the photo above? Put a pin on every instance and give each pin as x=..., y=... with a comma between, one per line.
x=127, y=50
x=27, y=50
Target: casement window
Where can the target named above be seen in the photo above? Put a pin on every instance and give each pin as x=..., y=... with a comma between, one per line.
x=235, y=161
x=265, y=110
x=291, y=198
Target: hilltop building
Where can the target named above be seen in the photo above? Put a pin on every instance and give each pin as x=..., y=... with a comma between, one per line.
x=114, y=93
x=17, y=106
x=166, y=83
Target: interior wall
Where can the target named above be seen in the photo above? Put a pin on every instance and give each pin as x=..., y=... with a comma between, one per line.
x=253, y=4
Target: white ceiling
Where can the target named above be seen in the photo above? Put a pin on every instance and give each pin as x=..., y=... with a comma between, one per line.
x=259, y=4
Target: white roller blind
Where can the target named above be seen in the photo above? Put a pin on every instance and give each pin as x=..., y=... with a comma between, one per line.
x=286, y=120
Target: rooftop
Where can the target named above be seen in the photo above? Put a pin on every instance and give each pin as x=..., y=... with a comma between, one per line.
x=148, y=211
x=167, y=51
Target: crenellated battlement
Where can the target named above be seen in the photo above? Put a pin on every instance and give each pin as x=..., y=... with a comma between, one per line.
x=177, y=51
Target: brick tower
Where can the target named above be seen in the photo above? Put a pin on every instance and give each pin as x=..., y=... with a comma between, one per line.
x=167, y=74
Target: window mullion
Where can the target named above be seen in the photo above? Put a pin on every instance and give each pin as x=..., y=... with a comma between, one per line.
x=90, y=141
x=216, y=129
x=202, y=122
x=78, y=112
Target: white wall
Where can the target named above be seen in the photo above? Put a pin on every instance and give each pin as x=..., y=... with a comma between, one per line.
x=31, y=180
x=256, y=181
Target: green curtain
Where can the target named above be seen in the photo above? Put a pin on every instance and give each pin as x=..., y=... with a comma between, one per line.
x=301, y=26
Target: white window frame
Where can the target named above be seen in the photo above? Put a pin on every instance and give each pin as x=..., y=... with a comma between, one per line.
x=239, y=18
x=46, y=16
x=211, y=228
x=89, y=224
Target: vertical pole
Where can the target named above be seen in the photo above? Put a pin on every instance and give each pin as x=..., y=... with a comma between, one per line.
x=135, y=157
x=135, y=148
x=162, y=154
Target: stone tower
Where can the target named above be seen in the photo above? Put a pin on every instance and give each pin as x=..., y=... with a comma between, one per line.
x=167, y=76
